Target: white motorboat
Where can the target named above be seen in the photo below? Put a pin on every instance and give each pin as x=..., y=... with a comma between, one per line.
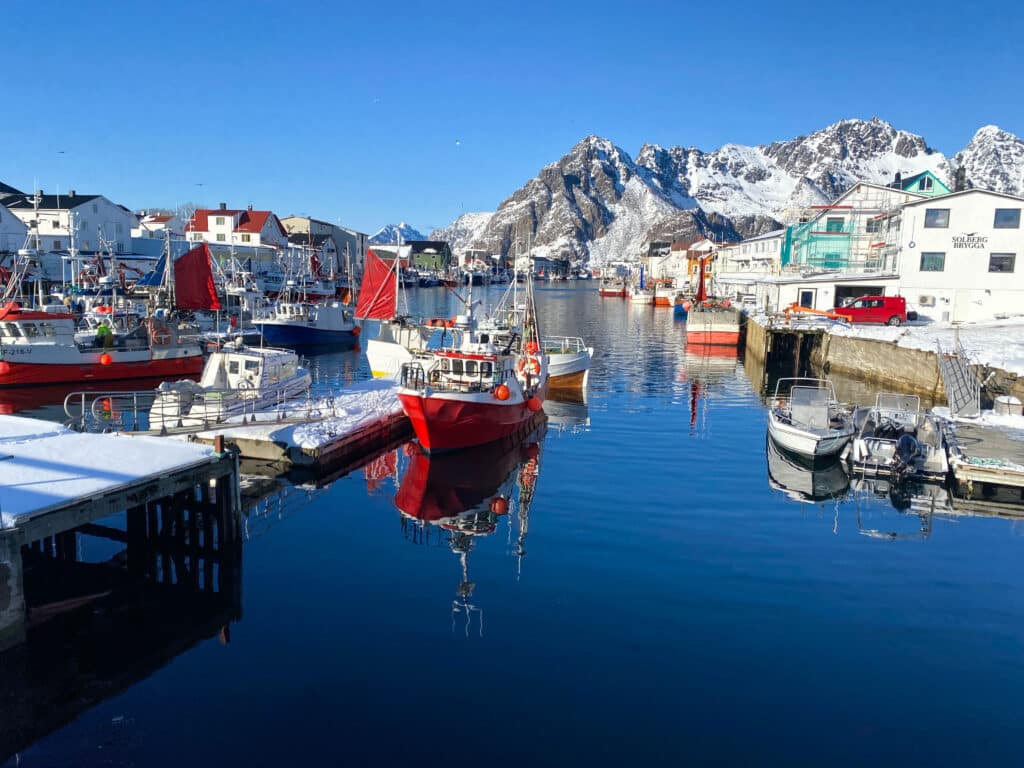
x=568, y=362
x=806, y=419
x=895, y=439
x=237, y=380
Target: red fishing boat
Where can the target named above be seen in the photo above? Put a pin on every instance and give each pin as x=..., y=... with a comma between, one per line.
x=710, y=320
x=473, y=392
x=38, y=347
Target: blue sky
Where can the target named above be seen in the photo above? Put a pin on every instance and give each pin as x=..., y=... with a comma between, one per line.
x=422, y=111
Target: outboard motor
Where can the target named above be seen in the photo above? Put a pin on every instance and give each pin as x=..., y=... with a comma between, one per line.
x=907, y=451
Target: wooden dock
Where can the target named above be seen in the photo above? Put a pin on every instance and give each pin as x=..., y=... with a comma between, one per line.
x=987, y=462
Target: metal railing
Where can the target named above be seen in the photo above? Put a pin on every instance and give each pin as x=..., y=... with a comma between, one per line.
x=413, y=376
x=141, y=410
x=563, y=344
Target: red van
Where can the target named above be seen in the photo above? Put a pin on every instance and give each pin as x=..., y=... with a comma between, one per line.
x=891, y=310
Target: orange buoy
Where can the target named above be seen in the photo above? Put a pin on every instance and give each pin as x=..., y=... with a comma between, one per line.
x=499, y=505
x=532, y=347
x=106, y=359
x=501, y=392
x=534, y=404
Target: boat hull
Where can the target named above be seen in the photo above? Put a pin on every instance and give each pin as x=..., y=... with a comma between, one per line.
x=444, y=423
x=568, y=370
x=281, y=335
x=713, y=338
x=16, y=374
x=612, y=293
x=804, y=443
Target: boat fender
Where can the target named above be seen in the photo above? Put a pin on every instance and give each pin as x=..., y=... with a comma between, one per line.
x=501, y=392
x=499, y=505
x=534, y=404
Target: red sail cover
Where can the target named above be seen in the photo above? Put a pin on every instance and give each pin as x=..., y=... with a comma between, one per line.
x=193, y=280
x=702, y=292
x=378, y=292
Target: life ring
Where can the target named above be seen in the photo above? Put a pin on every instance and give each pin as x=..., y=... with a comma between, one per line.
x=530, y=365
x=161, y=337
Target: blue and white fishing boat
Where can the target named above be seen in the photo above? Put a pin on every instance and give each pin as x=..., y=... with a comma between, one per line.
x=305, y=324
x=639, y=293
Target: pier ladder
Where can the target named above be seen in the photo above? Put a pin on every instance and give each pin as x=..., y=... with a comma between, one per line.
x=963, y=390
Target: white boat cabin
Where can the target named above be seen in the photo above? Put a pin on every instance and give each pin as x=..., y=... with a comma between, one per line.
x=240, y=367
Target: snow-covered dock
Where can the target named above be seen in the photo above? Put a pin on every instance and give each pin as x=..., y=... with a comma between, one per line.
x=47, y=469
x=363, y=416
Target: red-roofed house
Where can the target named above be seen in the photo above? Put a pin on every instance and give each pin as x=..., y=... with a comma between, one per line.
x=232, y=227
x=156, y=224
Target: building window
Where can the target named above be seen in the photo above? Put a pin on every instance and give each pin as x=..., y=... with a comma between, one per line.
x=1007, y=218
x=936, y=218
x=872, y=226
x=220, y=220
x=1001, y=262
x=95, y=209
x=221, y=238
x=56, y=245
x=834, y=224
x=926, y=184
x=246, y=238
x=933, y=262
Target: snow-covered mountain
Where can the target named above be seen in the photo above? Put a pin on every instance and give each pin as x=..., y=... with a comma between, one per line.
x=390, y=233
x=464, y=231
x=598, y=203
x=994, y=159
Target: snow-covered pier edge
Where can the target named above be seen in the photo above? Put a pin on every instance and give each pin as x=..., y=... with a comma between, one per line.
x=351, y=424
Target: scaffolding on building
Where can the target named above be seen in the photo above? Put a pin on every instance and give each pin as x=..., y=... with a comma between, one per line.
x=858, y=237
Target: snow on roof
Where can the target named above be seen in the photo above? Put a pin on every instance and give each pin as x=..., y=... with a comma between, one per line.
x=44, y=465
x=830, y=277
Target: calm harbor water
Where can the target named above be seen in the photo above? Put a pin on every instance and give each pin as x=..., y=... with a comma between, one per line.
x=660, y=590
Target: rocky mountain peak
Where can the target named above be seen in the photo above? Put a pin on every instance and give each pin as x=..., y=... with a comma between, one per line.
x=390, y=233
x=596, y=202
x=994, y=159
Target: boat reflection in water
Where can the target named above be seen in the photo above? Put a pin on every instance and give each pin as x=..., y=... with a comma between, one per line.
x=915, y=505
x=707, y=371
x=803, y=480
x=569, y=413
x=463, y=495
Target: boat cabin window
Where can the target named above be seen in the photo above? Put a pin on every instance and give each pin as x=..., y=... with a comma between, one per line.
x=457, y=367
x=485, y=370
x=471, y=367
x=252, y=366
x=48, y=329
x=3, y=330
x=232, y=366
x=444, y=364
x=288, y=370
x=13, y=330
x=30, y=329
x=275, y=373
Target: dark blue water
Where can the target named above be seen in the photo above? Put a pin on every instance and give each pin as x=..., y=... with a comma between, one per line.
x=650, y=598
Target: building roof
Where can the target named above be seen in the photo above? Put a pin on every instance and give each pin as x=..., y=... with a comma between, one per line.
x=248, y=220
x=6, y=189
x=940, y=200
x=49, y=202
x=156, y=219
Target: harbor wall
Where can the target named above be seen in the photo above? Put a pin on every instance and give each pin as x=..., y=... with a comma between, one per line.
x=870, y=360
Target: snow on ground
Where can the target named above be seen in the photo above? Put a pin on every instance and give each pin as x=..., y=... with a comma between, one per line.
x=326, y=419
x=995, y=343
x=44, y=465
